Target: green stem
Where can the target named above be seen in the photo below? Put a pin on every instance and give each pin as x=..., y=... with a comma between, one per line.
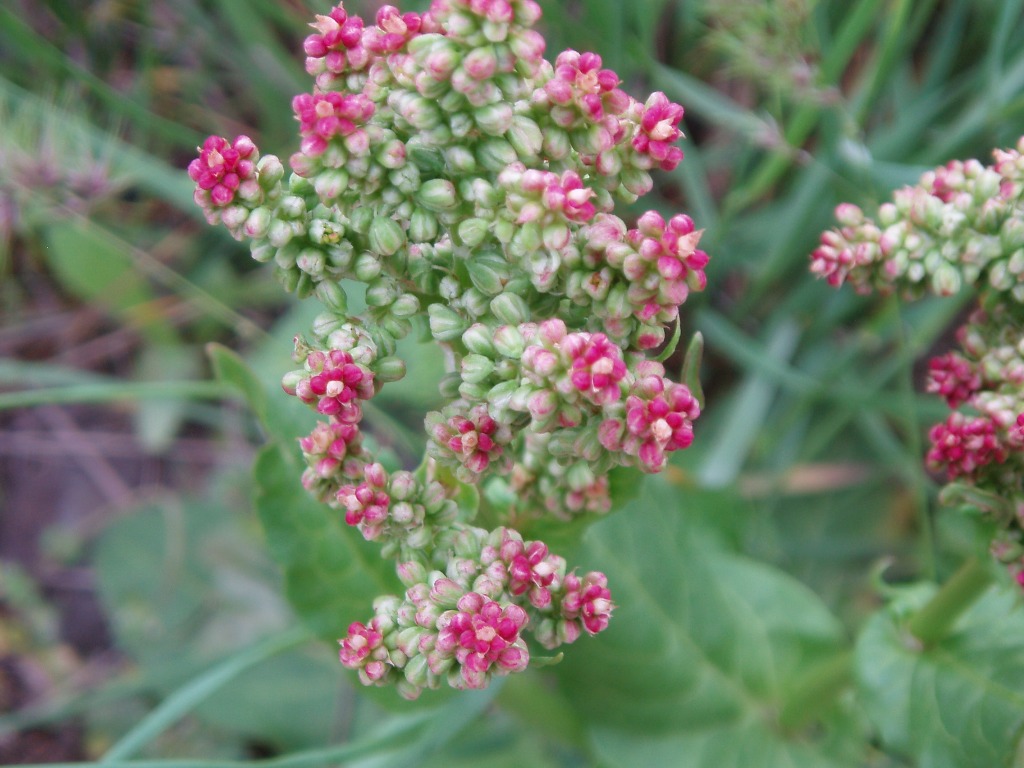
x=933, y=622
x=822, y=685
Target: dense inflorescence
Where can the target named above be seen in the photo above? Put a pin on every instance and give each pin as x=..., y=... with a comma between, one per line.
x=961, y=226
x=470, y=185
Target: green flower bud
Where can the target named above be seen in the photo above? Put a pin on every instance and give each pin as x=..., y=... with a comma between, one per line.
x=556, y=143
x=423, y=226
x=269, y=171
x=437, y=195
x=263, y=252
x=489, y=273
x=234, y=216
x=406, y=305
x=556, y=236
x=525, y=137
x=475, y=302
x=460, y=159
x=388, y=369
x=298, y=185
x=367, y=267
x=508, y=341
x=474, y=231
x=476, y=368
x=617, y=304
x=416, y=671
x=327, y=323
x=477, y=339
x=494, y=119
x=427, y=159
x=332, y=296
x=999, y=277
x=381, y=292
x=292, y=207
x=340, y=256
x=258, y=223
x=637, y=182
x=496, y=155
x=445, y=324
x=474, y=393
x=329, y=185
x=386, y=236
x=279, y=234
x=285, y=257
x=288, y=278
x=310, y=261
x=504, y=230
x=529, y=238
x=500, y=395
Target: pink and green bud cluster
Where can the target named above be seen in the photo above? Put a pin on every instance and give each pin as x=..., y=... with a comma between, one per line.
x=588, y=399
x=962, y=224
x=984, y=444
x=465, y=624
x=470, y=186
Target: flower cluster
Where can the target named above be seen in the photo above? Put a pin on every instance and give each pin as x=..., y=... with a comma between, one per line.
x=963, y=224
x=960, y=225
x=464, y=625
x=470, y=185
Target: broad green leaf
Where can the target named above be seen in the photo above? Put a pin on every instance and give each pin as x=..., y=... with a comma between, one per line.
x=187, y=585
x=957, y=704
x=331, y=574
x=284, y=418
x=703, y=650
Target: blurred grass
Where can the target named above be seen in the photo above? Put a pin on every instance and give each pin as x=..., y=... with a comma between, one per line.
x=787, y=114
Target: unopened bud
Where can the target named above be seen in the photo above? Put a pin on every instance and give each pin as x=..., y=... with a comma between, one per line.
x=405, y=305
x=489, y=273
x=495, y=119
x=292, y=207
x=478, y=340
x=437, y=195
x=496, y=155
x=473, y=231
x=269, y=171
x=388, y=369
x=525, y=137
x=386, y=236
x=310, y=261
x=258, y=223
x=508, y=341
x=382, y=292
x=423, y=226
x=476, y=368
x=367, y=267
x=332, y=295
x=445, y=324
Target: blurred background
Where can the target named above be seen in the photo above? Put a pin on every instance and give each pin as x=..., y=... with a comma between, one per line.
x=130, y=556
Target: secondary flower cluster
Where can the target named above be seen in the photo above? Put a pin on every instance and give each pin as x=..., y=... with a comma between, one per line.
x=963, y=224
x=960, y=225
x=470, y=185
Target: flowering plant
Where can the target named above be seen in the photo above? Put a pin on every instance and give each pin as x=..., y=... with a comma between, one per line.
x=961, y=225
x=470, y=185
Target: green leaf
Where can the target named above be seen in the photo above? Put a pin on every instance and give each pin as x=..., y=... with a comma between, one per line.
x=958, y=704
x=703, y=651
x=89, y=265
x=331, y=574
x=229, y=368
